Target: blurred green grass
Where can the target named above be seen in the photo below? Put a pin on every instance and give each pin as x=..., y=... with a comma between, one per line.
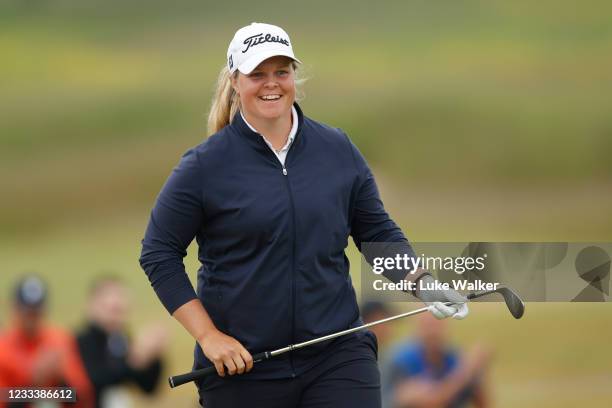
x=483, y=121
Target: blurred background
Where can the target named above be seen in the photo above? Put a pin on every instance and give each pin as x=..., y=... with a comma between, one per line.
x=482, y=120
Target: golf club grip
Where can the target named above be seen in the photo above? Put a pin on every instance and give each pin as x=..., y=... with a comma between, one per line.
x=181, y=379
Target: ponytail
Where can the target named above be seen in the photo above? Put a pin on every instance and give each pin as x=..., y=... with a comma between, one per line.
x=225, y=103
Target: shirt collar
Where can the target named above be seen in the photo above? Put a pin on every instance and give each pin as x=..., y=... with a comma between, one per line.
x=292, y=132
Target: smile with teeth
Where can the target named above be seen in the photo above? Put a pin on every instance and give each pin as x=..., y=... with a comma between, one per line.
x=270, y=97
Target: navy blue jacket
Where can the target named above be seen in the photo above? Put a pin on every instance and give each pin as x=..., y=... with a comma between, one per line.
x=271, y=238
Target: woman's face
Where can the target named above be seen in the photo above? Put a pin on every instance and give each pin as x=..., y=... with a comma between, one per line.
x=268, y=92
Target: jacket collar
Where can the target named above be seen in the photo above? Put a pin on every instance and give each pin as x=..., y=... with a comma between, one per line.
x=240, y=126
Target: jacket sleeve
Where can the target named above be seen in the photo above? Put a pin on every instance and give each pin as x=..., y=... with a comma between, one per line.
x=175, y=220
x=147, y=378
x=370, y=223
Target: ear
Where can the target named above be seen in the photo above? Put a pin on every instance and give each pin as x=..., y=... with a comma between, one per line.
x=234, y=81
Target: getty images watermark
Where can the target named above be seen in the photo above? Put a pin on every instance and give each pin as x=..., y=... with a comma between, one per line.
x=552, y=271
x=408, y=265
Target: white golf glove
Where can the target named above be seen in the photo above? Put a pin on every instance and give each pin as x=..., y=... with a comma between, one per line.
x=436, y=300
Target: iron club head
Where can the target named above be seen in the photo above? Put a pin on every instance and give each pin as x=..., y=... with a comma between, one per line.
x=513, y=301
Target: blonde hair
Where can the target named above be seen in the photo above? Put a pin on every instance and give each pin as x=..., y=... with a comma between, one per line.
x=226, y=101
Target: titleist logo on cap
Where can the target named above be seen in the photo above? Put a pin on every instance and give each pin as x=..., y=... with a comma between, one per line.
x=261, y=38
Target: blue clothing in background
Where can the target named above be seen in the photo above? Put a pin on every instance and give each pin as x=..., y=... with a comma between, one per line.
x=408, y=361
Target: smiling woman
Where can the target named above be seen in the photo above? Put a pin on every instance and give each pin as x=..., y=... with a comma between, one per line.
x=266, y=97
x=272, y=197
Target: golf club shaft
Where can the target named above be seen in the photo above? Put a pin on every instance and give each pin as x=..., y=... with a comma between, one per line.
x=177, y=380
x=347, y=331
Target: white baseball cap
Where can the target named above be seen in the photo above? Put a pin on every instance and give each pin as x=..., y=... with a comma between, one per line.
x=254, y=43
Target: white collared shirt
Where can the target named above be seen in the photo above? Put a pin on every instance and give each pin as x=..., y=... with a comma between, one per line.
x=282, y=153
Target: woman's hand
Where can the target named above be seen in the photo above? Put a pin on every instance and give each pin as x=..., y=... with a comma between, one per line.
x=221, y=349
x=225, y=351
x=436, y=298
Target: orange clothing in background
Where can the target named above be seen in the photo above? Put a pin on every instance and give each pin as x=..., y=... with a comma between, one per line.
x=19, y=353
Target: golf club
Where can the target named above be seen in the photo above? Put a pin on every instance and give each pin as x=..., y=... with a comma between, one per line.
x=513, y=302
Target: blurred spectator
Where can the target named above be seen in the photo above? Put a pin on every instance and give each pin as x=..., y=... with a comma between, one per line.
x=36, y=354
x=375, y=310
x=428, y=373
x=110, y=358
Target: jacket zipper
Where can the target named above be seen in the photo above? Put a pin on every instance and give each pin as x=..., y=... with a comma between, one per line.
x=293, y=247
x=292, y=209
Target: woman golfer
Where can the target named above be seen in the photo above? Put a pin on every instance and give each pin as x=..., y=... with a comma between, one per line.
x=271, y=198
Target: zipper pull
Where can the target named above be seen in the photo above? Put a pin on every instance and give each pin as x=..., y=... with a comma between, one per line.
x=284, y=171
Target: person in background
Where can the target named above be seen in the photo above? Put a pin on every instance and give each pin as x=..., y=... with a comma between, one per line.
x=110, y=358
x=429, y=373
x=34, y=353
x=371, y=311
